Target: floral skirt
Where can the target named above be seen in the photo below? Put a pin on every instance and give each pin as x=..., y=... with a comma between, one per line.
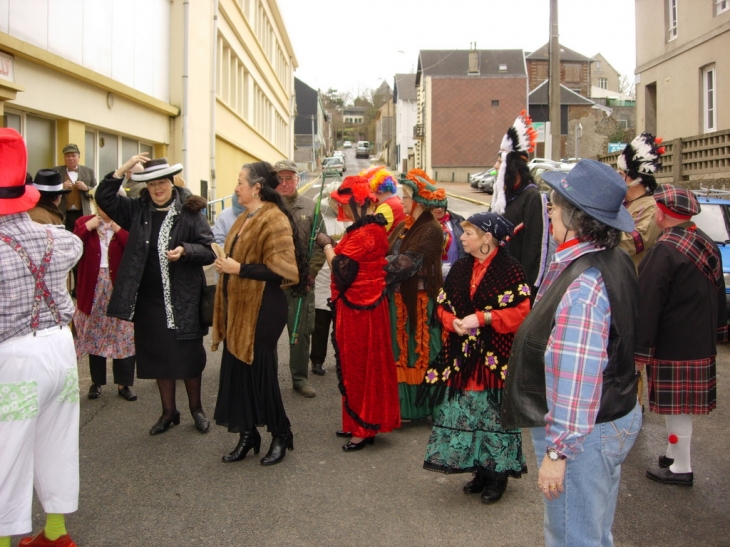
x=98, y=334
x=467, y=435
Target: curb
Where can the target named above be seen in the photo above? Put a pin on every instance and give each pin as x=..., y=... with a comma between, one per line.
x=470, y=200
x=309, y=184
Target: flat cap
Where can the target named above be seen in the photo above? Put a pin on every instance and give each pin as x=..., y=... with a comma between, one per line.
x=71, y=148
x=677, y=202
x=285, y=165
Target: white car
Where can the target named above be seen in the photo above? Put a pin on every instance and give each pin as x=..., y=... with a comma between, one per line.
x=347, y=144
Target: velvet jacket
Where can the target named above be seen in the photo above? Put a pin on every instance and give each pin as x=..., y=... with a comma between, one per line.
x=90, y=260
x=268, y=240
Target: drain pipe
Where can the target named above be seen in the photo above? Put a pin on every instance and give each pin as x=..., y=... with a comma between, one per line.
x=213, y=90
x=186, y=64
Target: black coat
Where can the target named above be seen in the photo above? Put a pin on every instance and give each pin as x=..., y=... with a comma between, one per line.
x=191, y=231
x=529, y=244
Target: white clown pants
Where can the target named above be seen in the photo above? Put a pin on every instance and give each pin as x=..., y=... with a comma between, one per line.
x=39, y=427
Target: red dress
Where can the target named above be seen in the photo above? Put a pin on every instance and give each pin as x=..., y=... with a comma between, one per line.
x=361, y=335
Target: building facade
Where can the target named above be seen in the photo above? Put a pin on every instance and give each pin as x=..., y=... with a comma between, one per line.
x=206, y=83
x=575, y=69
x=309, y=126
x=603, y=75
x=466, y=100
x=406, y=117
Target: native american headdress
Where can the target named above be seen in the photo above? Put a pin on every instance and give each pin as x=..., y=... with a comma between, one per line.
x=519, y=138
x=642, y=155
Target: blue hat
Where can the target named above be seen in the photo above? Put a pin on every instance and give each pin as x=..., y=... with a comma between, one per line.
x=596, y=189
x=493, y=223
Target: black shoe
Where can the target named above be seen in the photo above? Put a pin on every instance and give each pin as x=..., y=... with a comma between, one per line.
x=163, y=424
x=94, y=391
x=317, y=369
x=127, y=393
x=476, y=485
x=278, y=447
x=248, y=440
x=666, y=476
x=352, y=447
x=202, y=423
x=494, y=490
x=665, y=462
x=344, y=434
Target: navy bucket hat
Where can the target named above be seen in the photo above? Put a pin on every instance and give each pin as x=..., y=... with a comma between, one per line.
x=596, y=189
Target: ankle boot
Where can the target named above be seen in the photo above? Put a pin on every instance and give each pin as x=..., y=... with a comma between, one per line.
x=477, y=484
x=494, y=489
x=248, y=439
x=278, y=447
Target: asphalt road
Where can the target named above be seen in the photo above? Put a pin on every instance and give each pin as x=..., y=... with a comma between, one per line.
x=173, y=490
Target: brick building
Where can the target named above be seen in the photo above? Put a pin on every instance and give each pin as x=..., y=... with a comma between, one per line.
x=575, y=69
x=466, y=100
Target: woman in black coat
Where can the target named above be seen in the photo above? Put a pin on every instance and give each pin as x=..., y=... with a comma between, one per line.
x=160, y=281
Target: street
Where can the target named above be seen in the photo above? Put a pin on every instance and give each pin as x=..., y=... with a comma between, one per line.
x=173, y=490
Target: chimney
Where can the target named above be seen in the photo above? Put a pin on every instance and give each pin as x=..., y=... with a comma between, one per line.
x=474, y=60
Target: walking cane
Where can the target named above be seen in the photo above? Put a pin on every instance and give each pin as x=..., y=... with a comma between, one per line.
x=312, y=238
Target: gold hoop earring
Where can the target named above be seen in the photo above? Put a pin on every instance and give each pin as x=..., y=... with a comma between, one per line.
x=489, y=249
x=255, y=195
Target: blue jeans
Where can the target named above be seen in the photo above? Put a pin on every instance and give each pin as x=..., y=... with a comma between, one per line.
x=583, y=514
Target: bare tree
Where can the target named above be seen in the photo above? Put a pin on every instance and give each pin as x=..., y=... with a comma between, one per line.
x=627, y=86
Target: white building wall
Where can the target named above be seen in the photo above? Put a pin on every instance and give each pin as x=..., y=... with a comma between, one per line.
x=406, y=117
x=126, y=40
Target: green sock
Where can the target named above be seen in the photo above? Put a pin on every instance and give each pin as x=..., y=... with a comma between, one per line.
x=5, y=541
x=55, y=526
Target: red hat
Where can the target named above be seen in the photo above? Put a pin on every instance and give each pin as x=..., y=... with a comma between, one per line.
x=355, y=188
x=15, y=195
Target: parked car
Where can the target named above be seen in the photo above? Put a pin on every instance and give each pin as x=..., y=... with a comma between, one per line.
x=340, y=154
x=714, y=220
x=347, y=144
x=534, y=162
x=476, y=178
x=486, y=181
x=538, y=170
x=362, y=151
x=334, y=164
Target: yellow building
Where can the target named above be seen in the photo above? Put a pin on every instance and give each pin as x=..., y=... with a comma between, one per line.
x=208, y=83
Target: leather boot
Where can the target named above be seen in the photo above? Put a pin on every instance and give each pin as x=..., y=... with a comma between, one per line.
x=494, y=489
x=248, y=439
x=278, y=447
x=477, y=484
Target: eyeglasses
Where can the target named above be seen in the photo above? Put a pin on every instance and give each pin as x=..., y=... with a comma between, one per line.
x=290, y=178
x=550, y=208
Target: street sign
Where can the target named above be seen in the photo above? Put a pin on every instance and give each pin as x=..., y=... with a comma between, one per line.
x=614, y=147
x=540, y=128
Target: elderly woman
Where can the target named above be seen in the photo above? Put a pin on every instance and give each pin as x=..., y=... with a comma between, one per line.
x=484, y=300
x=364, y=358
x=573, y=378
x=415, y=280
x=160, y=281
x=262, y=257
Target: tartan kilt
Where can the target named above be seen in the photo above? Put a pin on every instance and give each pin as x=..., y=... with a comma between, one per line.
x=682, y=387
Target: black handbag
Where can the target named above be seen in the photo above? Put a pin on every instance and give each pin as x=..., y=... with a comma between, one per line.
x=207, y=303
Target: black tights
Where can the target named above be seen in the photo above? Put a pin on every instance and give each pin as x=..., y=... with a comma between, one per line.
x=167, y=395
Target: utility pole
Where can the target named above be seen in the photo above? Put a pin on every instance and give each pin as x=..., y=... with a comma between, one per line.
x=314, y=155
x=554, y=110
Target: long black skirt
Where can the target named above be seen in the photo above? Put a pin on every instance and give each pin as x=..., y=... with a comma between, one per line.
x=249, y=395
x=160, y=355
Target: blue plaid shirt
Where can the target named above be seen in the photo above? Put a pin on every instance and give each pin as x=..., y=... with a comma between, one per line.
x=17, y=285
x=575, y=356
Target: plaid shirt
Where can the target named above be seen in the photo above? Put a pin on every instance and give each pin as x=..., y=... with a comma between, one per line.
x=575, y=356
x=17, y=285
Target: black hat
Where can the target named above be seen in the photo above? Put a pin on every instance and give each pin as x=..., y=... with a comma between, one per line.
x=49, y=183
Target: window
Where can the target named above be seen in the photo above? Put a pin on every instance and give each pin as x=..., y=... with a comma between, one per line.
x=503, y=68
x=597, y=66
x=40, y=138
x=572, y=72
x=709, y=94
x=603, y=83
x=721, y=6
x=495, y=104
x=672, y=18
x=542, y=71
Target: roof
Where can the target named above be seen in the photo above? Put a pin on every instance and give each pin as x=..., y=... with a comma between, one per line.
x=405, y=87
x=566, y=54
x=539, y=95
x=306, y=100
x=355, y=109
x=455, y=62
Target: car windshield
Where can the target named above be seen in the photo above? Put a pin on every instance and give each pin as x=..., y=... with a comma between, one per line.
x=330, y=161
x=713, y=221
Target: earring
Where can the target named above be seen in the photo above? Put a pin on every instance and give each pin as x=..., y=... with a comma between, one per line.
x=255, y=195
x=489, y=249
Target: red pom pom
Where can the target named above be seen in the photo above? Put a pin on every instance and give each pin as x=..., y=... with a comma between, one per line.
x=658, y=140
x=673, y=439
x=660, y=150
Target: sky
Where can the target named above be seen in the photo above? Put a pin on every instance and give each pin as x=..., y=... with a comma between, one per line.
x=353, y=45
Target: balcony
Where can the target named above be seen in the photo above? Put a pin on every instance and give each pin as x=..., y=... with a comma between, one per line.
x=419, y=131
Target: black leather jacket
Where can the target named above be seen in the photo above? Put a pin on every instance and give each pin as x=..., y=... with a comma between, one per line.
x=191, y=230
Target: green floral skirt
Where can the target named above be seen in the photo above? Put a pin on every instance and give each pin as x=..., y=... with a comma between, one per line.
x=467, y=435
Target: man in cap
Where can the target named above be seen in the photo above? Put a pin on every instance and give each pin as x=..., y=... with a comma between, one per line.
x=302, y=209
x=50, y=185
x=572, y=376
x=79, y=179
x=682, y=286
x=39, y=391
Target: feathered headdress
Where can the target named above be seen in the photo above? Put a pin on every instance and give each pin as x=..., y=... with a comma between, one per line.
x=520, y=138
x=641, y=156
x=424, y=189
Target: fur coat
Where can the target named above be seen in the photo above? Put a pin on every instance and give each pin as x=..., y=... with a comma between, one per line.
x=266, y=240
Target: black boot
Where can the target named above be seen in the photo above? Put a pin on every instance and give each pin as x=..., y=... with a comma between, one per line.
x=248, y=440
x=477, y=484
x=494, y=489
x=278, y=447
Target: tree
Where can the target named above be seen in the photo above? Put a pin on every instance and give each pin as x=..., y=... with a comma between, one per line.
x=626, y=86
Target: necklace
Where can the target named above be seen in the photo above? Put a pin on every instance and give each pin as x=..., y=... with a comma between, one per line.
x=252, y=214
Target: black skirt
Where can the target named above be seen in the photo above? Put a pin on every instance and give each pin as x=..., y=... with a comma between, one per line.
x=160, y=355
x=249, y=395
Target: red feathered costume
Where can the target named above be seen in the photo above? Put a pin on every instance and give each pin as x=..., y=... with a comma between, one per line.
x=361, y=335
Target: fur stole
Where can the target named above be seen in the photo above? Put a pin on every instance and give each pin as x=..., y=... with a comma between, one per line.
x=266, y=240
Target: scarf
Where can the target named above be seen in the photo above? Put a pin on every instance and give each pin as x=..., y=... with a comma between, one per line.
x=163, y=245
x=697, y=248
x=482, y=353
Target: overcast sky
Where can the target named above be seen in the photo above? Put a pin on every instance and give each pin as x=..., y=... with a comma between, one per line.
x=352, y=45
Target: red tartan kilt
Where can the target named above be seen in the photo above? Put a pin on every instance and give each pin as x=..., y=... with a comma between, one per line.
x=682, y=387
